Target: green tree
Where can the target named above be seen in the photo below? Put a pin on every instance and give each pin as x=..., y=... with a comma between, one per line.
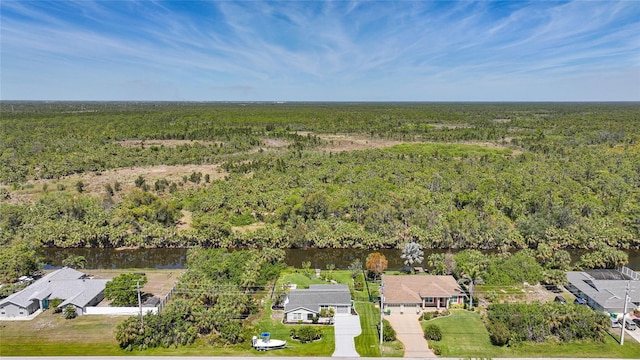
x=605, y=257
x=355, y=267
x=75, y=262
x=123, y=289
x=471, y=278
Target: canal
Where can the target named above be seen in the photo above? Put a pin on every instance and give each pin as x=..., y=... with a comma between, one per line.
x=163, y=258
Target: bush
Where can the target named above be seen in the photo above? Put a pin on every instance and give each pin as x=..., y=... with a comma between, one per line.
x=433, y=332
x=499, y=334
x=54, y=303
x=306, y=333
x=389, y=334
x=69, y=312
x=436, y=349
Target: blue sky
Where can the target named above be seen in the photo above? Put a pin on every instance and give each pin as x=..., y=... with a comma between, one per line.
x=320, y=51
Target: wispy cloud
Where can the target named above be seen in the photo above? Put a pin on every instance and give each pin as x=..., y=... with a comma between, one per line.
x=305, y=50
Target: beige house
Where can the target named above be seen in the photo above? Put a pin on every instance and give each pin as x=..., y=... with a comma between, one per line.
x=421, y=291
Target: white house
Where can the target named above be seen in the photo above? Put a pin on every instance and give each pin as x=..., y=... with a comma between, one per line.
x=304, y=304
x=73, y=287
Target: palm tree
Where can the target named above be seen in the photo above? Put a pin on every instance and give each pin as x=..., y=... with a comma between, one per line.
x=471, y=279
x=412, y=254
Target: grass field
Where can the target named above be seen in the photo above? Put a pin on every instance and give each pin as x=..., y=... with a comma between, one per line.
x=464, y=335
x=367, y=343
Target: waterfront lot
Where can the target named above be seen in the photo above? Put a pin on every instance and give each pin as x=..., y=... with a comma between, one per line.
x=464, y=335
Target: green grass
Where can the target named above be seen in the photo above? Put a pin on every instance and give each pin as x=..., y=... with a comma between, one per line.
x=367, y=343
x=297, y=277
x=464, y=335
x=280, y=331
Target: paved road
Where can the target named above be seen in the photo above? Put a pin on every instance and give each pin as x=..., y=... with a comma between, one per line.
x=346, y=327
x=409, y=332
x=241, y=358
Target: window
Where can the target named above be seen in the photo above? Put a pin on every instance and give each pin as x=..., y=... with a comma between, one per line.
x=429, y=300
x=297, y=316
x=309, y=316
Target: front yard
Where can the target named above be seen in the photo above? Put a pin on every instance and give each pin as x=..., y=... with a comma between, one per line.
x=464, y=336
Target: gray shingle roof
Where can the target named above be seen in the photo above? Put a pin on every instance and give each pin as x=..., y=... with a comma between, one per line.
x=318, y=295
x=67, y=284
x=609, y=294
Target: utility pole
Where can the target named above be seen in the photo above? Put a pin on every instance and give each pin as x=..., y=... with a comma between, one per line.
x=381, y=315
x=624, y=313
x=140, y=305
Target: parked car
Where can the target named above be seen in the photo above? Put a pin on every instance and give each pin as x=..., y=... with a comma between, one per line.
x=580, y=301
x=560, y=299
x=615, y=323
x=629, y=324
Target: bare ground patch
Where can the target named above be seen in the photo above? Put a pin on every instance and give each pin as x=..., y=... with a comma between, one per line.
x=95, y=182
x=166, y=143
x=185, y=221
x=160, y=281
x=251, y=227
x=345, y=142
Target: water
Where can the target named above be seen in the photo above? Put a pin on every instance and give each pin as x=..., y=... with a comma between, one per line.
x=176, y=258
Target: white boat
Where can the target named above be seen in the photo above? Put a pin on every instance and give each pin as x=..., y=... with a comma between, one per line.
x=264, y=343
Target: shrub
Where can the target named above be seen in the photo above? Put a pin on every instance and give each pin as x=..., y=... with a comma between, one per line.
x=54, y=303
x=436, y=350
x=232, y=332
x=389, y=334
x=433, y=332
x=306, y=334
x=69, y=312
x=499, y=334
x=429, y=315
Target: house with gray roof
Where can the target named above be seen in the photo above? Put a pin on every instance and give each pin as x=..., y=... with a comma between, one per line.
x=305, y=304
x=73, y=287
x=605, y=290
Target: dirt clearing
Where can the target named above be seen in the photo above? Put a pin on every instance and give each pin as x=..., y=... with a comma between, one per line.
x=160, y=281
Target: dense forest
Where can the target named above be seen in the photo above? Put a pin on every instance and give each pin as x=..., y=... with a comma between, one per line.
x=341, y=175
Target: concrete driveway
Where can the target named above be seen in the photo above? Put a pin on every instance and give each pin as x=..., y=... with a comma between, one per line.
x=409, y=332
x=346, y=327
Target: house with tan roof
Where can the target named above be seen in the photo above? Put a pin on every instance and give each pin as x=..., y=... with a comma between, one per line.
x=421, y=291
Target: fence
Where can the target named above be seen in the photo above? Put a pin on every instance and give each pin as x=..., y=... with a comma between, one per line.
x=630, y=273
x=167, y=297
x=105, y=310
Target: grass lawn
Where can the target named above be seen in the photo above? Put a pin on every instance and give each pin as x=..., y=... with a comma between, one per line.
x=280, y=331
x=297, y=277
x=464, y=335
x=367, y=343
x=51, y=334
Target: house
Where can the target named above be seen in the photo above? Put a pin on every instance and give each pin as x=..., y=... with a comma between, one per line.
x=421, y=291
x=71, y=286
x=605, y=289
x=305, y=304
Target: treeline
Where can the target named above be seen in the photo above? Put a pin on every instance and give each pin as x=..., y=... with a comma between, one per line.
x=211, y=300
x=556, y=176
x=47, y=141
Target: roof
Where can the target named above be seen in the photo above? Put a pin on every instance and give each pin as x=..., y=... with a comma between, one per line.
x=400, y=289
x=609, y=294
x=316, y=296
x=66, y=283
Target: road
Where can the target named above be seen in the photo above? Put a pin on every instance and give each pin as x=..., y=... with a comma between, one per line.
x=245, y=358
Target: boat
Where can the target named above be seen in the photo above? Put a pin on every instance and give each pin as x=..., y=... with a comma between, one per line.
x=265, y=342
